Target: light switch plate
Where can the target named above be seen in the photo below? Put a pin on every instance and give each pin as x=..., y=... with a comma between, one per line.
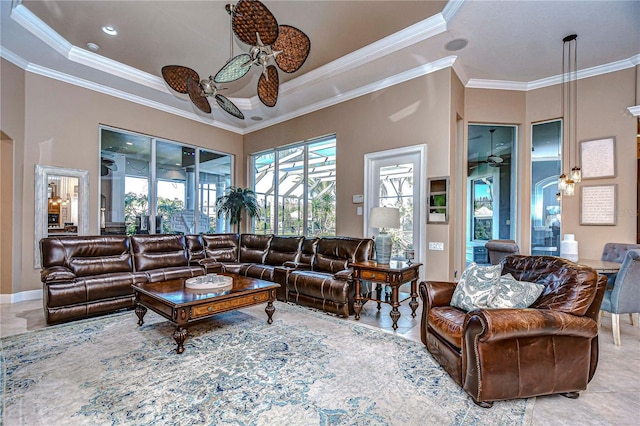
x=357, y=199
x=359, y=211
x=436, y=246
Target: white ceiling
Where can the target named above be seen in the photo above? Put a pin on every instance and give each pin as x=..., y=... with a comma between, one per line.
x=356, y=47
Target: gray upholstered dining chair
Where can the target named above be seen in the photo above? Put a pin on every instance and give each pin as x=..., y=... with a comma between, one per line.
x=615, y=252
x=624, y=298
x=499, y=249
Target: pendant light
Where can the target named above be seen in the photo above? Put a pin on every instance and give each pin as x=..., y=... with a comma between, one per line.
x=567, y=181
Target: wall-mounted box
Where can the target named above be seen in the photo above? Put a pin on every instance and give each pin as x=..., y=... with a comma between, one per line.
x=438, y=200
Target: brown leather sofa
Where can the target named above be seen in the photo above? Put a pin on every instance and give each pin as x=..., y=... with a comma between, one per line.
x=86, y=276
x=498, y=354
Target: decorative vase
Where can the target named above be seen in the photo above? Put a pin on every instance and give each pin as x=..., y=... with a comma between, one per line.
x=569, y=248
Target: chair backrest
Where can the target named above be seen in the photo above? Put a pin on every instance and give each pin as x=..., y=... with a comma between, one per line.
x=569, y=287
x=616, y=252
x=499, y=249
x=625, y=297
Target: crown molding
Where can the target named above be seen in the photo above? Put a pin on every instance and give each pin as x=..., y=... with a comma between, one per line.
x=634, y=110
x=13, y=58
x=360, y=91
x=556, y=79
x=55, y=75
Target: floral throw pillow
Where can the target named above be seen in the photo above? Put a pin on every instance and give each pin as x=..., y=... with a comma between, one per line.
x=476, y=286
x=511, y=293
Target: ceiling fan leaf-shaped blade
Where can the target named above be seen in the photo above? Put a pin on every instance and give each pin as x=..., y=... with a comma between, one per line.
x=195, y=94
x=294, y=45
x=268, y=86
x=229, y=106
x=176, y=77
x=251, y=17
x=236, y=68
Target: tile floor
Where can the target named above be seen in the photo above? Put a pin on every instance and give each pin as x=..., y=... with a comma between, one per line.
x=612, y=398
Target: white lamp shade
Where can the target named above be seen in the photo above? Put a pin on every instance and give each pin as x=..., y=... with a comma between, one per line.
x=384, y=217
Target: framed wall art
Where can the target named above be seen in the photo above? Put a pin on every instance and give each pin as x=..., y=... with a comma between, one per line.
x=598, y=158
x=598, y=204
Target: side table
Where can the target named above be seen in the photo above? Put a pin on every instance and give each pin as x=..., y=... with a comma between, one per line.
x=394, y=275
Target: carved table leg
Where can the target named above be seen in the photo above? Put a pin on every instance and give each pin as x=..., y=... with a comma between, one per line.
x=395, y=313
x=180, y=335
x=357, y=305
x=270, y=309
x=379, y=289
x=414, y=298
x=140, y=312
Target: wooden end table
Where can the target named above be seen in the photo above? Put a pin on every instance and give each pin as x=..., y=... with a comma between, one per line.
x=182, y=306
x=394, y=275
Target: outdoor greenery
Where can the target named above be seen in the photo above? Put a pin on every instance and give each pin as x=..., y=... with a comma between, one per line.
x=235, y=202
x=138, y=205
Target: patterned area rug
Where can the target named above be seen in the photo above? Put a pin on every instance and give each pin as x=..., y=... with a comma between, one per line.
x=307, y=368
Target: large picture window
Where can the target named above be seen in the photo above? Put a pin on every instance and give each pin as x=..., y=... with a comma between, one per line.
x=150, y=185
x=296, y=187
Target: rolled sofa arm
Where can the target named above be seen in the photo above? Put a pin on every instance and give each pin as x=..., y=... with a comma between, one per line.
x=345, y=274
x=57, y=274
x=501, y=324
x=436, y=293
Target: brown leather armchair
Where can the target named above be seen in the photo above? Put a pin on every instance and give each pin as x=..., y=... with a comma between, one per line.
x=498, y=354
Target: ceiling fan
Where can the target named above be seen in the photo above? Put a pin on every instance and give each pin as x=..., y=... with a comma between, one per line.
x=287, y=46
x=494, y=160
x=256, y=26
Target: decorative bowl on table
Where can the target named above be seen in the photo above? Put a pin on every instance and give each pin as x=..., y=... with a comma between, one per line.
x=209, y=282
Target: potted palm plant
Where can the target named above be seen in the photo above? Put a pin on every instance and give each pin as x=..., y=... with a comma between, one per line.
x=234, y=202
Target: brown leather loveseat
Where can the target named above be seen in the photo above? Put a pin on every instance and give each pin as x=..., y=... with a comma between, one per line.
x=91, y=275
x=498, y=354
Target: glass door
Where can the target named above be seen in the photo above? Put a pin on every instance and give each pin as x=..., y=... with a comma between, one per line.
x=395, y=179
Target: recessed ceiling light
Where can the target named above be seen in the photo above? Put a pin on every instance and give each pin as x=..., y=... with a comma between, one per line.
x=456, y=44
x=256, y=118
x=109, y=30
x=93, y=47
x=129, y=143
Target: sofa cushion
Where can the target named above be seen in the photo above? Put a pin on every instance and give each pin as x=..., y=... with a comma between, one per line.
x=91, y=255
x=476, y=286
x=321, y=286
x=195, y=248
x=334, y=254
x=158, y=251
x=511, y=293
x=221, y=247
x=253, y=248
x=283, y=249
x=448, y=323
x=308, y=254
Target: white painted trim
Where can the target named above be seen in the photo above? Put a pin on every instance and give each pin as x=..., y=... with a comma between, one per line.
x=23, y=296
x=553, y=80
x=360, y=91
x=46, y=72
x=634, y=110
x=38, y=28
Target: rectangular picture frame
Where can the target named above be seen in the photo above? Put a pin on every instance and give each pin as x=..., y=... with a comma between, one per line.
x=598, y=158
x=598, y=204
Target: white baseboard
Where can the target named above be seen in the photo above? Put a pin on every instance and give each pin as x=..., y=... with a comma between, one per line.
x=23, y=296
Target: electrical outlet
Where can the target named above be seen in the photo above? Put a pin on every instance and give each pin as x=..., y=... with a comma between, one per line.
x=436, y=246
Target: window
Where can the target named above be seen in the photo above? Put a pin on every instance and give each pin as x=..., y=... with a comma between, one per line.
x=150, y=185
x=546, y=140
x=296, y=187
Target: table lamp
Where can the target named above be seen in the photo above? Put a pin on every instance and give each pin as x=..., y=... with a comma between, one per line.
x=382, y=218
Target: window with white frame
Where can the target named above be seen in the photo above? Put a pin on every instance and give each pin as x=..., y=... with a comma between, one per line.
x=296, y=188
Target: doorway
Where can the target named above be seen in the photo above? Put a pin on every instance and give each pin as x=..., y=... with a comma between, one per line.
x=491, y=188
x=396, y=178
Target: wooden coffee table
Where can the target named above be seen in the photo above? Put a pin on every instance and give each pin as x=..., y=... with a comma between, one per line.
x=183, y=306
